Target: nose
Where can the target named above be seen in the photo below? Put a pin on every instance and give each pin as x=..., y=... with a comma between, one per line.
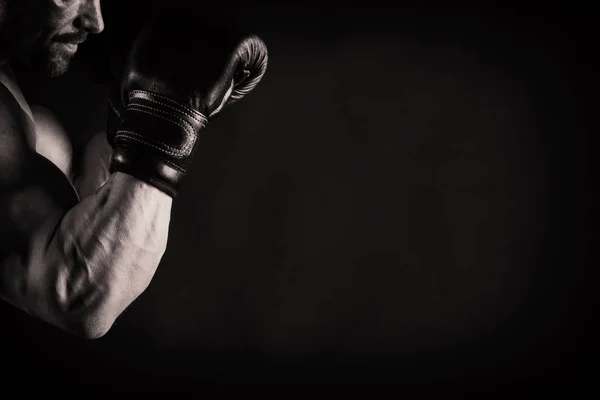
x=90, y=18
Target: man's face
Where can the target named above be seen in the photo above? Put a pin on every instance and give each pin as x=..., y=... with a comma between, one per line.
x=51, y=30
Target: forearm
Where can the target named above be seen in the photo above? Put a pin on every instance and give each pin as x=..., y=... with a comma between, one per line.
x=99, y=258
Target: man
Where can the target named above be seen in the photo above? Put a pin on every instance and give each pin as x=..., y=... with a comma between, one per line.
x=76, y=252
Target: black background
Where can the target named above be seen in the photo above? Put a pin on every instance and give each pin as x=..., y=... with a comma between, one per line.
x=405, y=199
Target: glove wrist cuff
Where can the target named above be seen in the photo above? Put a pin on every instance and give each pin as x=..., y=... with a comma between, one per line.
x=149, y=168
x=155, y=140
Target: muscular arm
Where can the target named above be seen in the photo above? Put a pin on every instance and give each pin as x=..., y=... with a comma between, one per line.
x=76, y=265
x=52, y=141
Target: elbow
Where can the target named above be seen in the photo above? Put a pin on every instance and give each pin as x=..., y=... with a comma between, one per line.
x=97, y=319
x=83, y=319
x=84, y=322
x=93, y=317
x=89, y=326
x=92, y=312
x=95, y=327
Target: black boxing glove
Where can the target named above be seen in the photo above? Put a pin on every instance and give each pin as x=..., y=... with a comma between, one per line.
x=181, y=72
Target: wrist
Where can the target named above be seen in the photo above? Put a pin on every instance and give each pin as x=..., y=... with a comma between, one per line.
x=147, y=167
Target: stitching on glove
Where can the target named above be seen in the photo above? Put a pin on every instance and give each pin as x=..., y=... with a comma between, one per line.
x=187, y=129
x=141, y=107
x=162, y=147
x=198, y=119
x=191, y=111
x=195, y=115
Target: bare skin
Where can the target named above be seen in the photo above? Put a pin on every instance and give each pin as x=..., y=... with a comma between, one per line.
x=74, y=251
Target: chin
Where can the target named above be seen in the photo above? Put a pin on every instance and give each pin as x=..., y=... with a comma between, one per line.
x=56, y=68
x=54, y=61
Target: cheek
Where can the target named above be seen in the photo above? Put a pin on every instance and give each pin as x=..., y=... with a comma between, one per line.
x=63, y=12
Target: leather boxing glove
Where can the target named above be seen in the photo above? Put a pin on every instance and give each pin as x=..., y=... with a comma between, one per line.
x=182, y=70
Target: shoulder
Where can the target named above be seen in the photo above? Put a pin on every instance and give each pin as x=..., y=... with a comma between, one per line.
x=30, y=184
x=12, y=113
x=36, y=124
x=20, y=164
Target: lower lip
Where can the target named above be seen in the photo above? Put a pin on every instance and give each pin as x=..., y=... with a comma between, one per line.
x=70, y=46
